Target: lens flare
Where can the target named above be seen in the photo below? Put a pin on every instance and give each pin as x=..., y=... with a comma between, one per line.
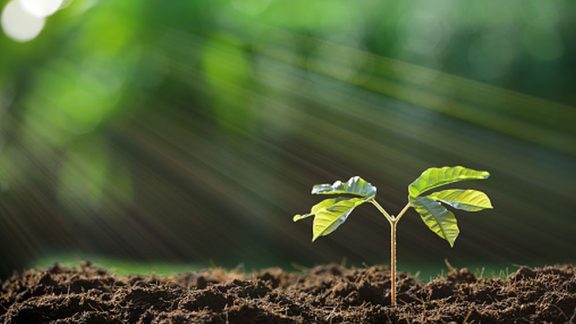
x=41, y=8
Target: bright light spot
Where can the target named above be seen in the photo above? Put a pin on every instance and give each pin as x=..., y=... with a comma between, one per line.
x=41, y=8
x=18, y=24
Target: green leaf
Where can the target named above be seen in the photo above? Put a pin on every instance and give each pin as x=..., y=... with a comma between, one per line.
x=354, y=186
x=469, y=200
x=436, y=177
x=438, y=219
x=329, y=214
x=315, y=209
x=328, y=219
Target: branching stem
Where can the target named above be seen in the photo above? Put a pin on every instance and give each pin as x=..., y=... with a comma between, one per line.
x=382, y=210
x=393, y=220
x=402, y=212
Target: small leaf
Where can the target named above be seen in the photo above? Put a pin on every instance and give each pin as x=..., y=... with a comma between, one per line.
x=319, y=206
x=331, y=213
x=354, y=186
x=438, y=219
x=436, y=177
x=469, y=200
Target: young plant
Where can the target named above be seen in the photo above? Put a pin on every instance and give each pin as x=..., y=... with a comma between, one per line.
x=332, y=212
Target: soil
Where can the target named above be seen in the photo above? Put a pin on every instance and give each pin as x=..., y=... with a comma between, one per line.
x=325, y=294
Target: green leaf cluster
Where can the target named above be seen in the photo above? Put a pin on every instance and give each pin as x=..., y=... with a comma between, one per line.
x=332, y=212
x=437, y=217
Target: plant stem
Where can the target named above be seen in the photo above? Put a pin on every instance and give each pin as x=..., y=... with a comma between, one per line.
x=402, y=212
x=393, y=221
x=382, y=210
x=393, y=262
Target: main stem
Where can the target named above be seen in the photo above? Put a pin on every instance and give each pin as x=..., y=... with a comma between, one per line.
x=393, y=263
x=393, y=221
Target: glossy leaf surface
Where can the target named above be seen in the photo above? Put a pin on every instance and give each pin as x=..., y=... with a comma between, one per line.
x=468, y=200
x=354, y=186
x=438, y=219
x=436, y=177
x=329, y=214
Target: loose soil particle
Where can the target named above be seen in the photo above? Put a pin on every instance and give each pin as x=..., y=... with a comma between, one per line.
x=324, y=294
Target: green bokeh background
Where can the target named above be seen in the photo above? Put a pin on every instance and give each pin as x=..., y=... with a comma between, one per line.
x=190, y=132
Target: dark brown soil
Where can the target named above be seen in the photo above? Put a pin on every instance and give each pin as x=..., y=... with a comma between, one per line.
x=328, y=293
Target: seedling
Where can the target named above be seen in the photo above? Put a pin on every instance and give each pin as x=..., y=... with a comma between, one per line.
x=332, y=212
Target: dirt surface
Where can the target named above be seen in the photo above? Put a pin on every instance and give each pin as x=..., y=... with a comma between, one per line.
x=328, y=293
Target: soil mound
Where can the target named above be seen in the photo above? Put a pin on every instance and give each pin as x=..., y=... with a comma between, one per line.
x=324, y=294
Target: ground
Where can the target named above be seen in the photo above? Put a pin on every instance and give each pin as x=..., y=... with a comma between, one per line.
x=325, y=294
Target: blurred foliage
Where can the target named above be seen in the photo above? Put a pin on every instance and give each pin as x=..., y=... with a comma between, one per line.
x=188, y=130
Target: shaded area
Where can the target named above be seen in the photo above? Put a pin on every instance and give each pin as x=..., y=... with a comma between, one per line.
x=327, y=293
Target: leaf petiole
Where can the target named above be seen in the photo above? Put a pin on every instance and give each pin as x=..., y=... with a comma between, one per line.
x=382, y=210
x=389, y=217
x=402, y=212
